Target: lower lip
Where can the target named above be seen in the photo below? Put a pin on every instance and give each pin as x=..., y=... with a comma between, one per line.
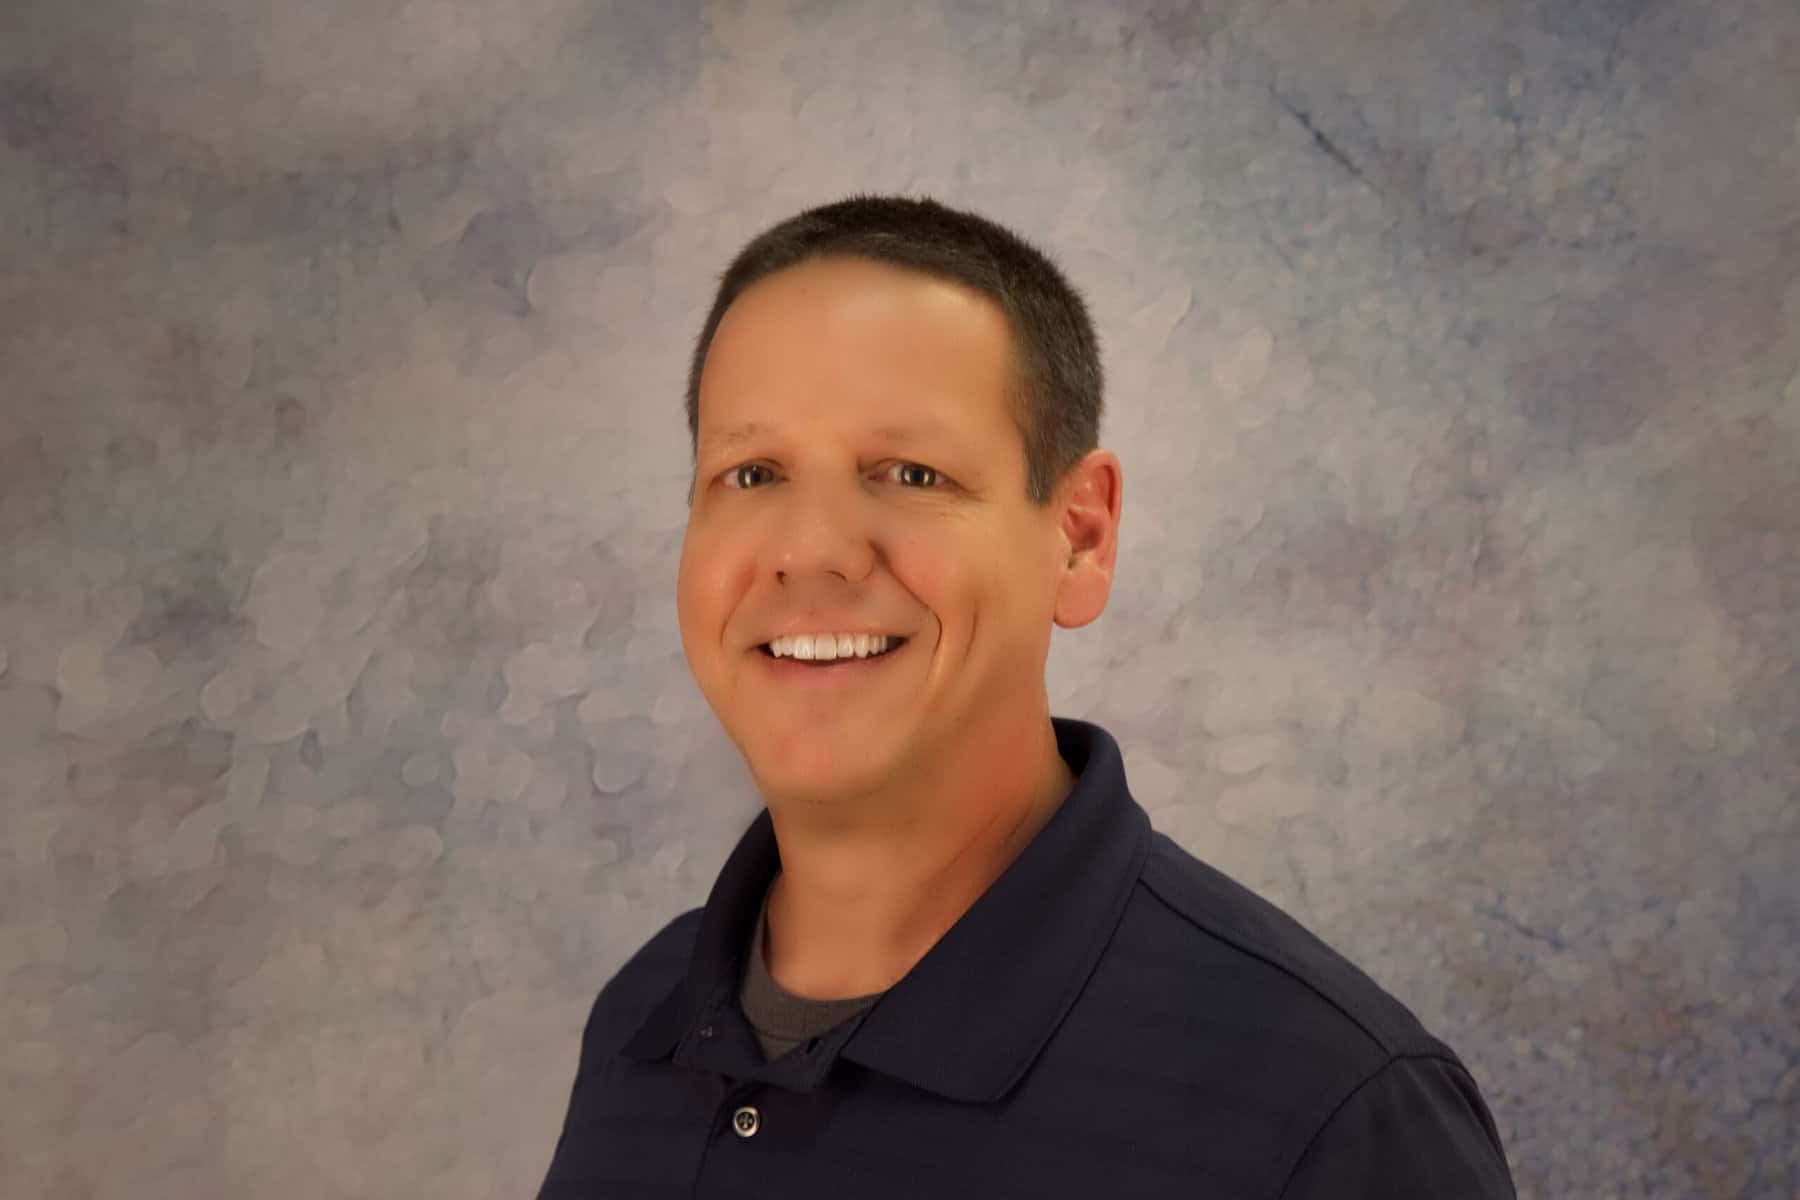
x=842, y=672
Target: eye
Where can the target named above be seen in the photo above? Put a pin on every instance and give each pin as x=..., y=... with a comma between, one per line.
x=930, y=471
x=737, y=473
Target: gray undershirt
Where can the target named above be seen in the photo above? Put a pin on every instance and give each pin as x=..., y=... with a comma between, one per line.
x=780, y=1019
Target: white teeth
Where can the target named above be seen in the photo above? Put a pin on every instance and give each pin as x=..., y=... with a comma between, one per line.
x=825, y=647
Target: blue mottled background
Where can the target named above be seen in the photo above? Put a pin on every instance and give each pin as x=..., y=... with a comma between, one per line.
x=346, y=743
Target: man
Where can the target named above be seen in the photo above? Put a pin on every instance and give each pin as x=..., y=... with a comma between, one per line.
x=951, y=957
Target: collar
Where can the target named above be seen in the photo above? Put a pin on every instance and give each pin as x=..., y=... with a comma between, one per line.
x=971, y=1016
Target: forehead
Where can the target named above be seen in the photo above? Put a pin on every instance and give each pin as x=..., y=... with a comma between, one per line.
x=864, y=344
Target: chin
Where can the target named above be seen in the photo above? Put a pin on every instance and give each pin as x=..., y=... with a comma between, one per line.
x=814, y=772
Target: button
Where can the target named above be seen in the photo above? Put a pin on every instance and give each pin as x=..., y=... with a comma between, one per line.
x=746, y=1121
x=706, y=1031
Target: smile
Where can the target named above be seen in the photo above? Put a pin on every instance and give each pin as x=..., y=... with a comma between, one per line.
x=829, y=671
x=825, y=648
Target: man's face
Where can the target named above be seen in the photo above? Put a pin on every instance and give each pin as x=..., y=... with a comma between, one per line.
x=881, y=489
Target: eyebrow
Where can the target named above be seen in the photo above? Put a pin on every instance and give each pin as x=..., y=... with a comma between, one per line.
x=730, y=437
x=719, y=441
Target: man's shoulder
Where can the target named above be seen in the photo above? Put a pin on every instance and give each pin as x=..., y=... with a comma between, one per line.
x=1208, y=991
x=644, y=981
x=1277, y=970
x=1340, y=1086
x=665, y=954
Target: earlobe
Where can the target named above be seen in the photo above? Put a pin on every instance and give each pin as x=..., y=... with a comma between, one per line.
x=1082, y=592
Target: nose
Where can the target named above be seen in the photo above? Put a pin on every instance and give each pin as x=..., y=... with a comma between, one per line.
x=820, y=530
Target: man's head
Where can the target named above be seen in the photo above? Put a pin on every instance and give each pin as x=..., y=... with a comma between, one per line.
x=894, y=409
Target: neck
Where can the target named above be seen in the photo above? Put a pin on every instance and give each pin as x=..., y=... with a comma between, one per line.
x=858, y=902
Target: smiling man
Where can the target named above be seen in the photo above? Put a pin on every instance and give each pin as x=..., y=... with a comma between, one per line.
x=952, y=957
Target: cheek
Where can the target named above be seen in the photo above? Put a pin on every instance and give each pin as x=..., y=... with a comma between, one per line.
x=1019, y=582
x=923, y=562
x=953, y=584
x=697, y=588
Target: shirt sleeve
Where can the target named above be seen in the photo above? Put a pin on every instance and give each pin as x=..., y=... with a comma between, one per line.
x=1417, y=1127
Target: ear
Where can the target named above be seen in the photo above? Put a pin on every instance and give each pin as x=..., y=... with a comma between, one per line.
x=1089, y=502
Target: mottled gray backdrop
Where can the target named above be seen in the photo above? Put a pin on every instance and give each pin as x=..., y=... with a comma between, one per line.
x=346, y=742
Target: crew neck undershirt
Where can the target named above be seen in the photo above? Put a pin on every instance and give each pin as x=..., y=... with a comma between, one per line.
x=780, y=1019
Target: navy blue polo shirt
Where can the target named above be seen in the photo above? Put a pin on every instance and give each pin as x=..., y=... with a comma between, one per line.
x=1112, y=1017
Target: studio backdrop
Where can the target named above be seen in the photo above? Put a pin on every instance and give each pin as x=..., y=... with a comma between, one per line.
x=346, y=742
